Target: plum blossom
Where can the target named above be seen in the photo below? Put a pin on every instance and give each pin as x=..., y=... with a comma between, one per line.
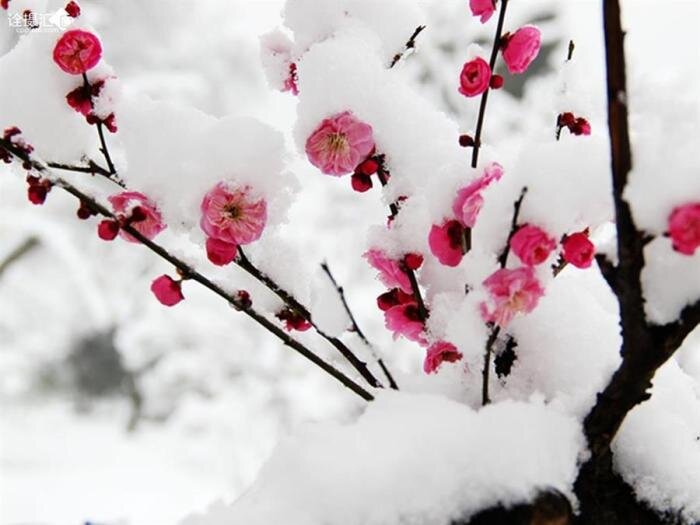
x=77, y=51
x=575, y=125
x=391, y=273
x=339, y=144
x=469, y=201
x=438, y=353
x=392, y=298
x=404, y=319
x=139, y=212
x=232, y=214
x=511, y=292
x=447, y=242
x=684, y=228
x=521, y=48
x=578, y=250
x=483, y=8
x=532, y=245
x=475, y=77
x=167, y=290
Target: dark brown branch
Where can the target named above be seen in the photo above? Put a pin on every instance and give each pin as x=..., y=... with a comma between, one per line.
x=485, y=95
x=101, y=135
x=517, y=205
x=191, y=274
x=410, y=44
x=20, y=251
x=607, y=270
x=356, y=327
x=493, y=336
x=360, y=366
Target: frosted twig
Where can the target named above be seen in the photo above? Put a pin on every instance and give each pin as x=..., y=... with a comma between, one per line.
x=356, y=328
x=360, y=366
x=20, y=251
x=410, y=44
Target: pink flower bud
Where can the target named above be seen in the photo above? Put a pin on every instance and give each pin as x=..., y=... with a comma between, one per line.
x=578, y=250
x=167, y=290
x=77, y=51
x=475, y=77
x=521, y=48
x=532, y=245
x=684, y=228
x=220, y=253
x=482, y=8
x=439, y=353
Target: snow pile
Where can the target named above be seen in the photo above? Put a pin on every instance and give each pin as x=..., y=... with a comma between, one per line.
x=657, y=450
x=410, y=459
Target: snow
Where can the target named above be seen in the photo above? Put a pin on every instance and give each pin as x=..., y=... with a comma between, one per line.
x=410, y=459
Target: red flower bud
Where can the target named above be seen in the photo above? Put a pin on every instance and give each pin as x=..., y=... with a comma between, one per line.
x=466, y=141
x=367, y=167
x=413, y=261
x=72, y=9
x=496, y=82
x=108, y=229
x=361, y=182
x=167, y=290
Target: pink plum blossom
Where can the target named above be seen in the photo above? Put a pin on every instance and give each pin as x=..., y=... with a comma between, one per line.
x=684, y=228
x=219, y=252
x=232, y=215
x=438, y=353
x=475, y=77
x=468, y=202
x=446, y=242
x=77, y=51
x=404, y=319
x=167, y=290
x=339, y=144
x=578, y=250
x=511, y=292
x=140, y=212
x=391, y=273
x=482, y=8
x=521, y=48
x=532, y=245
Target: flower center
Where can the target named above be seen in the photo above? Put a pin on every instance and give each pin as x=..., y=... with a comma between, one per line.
x=337, y=142
x=232, y=211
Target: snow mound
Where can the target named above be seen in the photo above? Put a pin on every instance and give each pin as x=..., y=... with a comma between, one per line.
x=410, y=459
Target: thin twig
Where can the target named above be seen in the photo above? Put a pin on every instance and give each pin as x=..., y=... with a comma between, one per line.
x=360, y=366
x=100, y=133
x=503, y=257
x=356, y=327
x=410, y=44
x=485, y=95
x=20, y=251
x=493, y=336
x=422, y=310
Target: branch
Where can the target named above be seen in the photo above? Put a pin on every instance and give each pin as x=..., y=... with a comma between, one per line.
x=503, y=257
x=100, y=133
x=410, y=44
x=192, y=274
x=356, y=328
x=485, y=95
x=493, y=336
x=360, y=366
x=20, y=251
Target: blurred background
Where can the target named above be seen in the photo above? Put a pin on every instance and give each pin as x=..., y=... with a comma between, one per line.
x=114, y=409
